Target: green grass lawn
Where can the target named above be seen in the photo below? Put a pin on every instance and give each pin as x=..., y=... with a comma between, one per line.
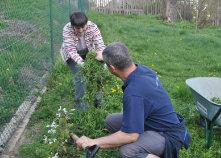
x=25, y=49
x=24, y=56
x=175, y=51
x=21, y=67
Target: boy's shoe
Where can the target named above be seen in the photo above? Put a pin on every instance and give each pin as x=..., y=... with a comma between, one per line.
x=98, y=101
x=81, y=106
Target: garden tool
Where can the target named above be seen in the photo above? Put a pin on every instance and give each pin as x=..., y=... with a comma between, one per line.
x=90, y=151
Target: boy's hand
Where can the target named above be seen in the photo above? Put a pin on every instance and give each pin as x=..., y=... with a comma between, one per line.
x=81, y=64
x=99, y=56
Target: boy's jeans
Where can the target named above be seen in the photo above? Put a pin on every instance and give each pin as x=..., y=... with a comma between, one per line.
x=80, y=87
x=78, y=84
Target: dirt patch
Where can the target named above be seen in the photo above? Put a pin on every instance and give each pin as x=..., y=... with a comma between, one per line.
x=15, y=133
x=17, y=28
x=22, y=30
x=28, y=76
x=26, y=138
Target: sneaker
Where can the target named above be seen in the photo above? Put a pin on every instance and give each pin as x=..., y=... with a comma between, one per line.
x=98, y=99
x=81, y=106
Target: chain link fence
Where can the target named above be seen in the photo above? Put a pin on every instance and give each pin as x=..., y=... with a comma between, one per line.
x=30, y=37
x=24, y=57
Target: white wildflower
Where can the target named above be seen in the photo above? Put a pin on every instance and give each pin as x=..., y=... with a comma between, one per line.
x=51, y=131
x=45, y=139
x=50, y=141
x=65, y=111
x=53, y=125
x=58, y=115
x=59, y=108
x=55, y=156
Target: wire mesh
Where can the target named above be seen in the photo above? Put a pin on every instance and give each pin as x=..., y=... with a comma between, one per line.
x=24, y=54
x=30, y=34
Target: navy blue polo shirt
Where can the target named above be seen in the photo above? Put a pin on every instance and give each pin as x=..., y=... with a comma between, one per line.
x=146, y=105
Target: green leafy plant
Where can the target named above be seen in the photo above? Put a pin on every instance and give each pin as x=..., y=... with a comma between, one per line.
x=216, y=100
x=57, y=137
x=96, y=78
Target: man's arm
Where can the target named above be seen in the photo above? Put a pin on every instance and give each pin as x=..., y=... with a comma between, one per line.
x=114, y=140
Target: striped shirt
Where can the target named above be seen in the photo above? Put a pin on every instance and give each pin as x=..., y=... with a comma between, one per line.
x=93, y=40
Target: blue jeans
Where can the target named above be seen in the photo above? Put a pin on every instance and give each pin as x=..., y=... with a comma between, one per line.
x=78, y=84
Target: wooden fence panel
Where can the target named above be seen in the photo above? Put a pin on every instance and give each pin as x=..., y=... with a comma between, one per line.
x=186, y=9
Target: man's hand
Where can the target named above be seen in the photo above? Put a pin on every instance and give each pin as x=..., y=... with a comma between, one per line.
x=105, y=66
x=84, y=142
x=99, y=56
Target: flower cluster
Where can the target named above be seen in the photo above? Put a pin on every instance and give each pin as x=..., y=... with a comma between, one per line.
x=58, y=132
x=116, y=89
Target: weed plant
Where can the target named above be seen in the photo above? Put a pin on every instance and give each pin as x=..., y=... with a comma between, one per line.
x=216, y=100
x=96, y=78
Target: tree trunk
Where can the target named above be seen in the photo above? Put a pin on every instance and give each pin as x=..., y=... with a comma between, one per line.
x=218, y=18
x=170, y=10
x=202, y=13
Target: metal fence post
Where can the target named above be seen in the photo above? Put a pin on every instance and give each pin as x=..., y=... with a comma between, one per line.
x=80, y=5
x=83, y=5
x=69, y=7
x=51, y=32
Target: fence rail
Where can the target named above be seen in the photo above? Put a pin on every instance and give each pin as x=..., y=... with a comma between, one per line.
x=205, y=11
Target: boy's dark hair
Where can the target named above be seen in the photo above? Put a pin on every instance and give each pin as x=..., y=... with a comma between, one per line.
x=78, y=19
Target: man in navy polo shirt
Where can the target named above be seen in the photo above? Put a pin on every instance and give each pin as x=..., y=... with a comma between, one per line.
x=148, y=127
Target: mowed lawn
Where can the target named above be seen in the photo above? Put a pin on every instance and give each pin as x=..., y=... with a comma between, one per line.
x=176, y=51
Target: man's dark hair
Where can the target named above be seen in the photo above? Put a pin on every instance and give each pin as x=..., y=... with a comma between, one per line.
x=78, y=19
x=117, y=54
